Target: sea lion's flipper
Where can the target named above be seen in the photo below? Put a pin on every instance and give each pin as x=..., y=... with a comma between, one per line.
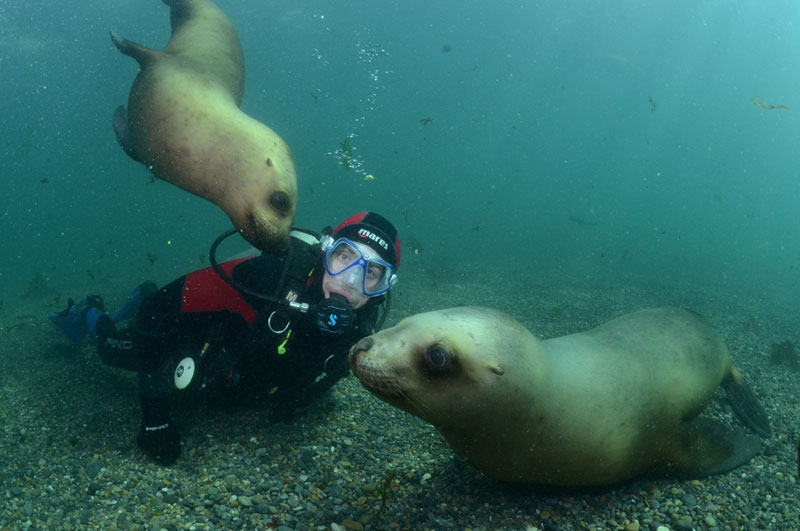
x=123, y=132
x=745, y=404
x=142, y=54
x=707, y=448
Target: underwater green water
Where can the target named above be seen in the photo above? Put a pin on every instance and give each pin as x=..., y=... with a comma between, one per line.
x=604, y=139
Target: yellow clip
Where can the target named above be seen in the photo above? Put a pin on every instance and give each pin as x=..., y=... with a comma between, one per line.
x=282, y=346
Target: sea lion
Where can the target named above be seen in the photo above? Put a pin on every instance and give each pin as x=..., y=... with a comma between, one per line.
x=184, y=124
x=593, y=408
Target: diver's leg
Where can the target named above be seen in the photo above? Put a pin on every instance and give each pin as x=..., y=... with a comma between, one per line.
x=74, y=321
x=114, y=346
x=158, y=436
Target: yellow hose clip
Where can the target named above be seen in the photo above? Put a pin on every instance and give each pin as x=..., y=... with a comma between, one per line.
x=282, y=346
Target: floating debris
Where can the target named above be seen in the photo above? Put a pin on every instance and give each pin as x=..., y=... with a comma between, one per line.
x=579, y=221
x=767, y=106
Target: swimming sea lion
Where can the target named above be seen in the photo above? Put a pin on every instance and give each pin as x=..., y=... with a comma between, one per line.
x=184, y=123
x=592, y=408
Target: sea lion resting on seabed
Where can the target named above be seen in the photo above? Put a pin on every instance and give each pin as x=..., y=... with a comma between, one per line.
x=591, y=408
x=184, y=123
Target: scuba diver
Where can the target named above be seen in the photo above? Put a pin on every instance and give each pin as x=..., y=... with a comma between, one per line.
x=284, y=322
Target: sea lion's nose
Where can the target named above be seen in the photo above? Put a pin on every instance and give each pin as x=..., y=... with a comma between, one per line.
x=362, y=346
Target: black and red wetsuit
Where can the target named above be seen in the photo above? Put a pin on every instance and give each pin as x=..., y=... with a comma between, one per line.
x=201, y=307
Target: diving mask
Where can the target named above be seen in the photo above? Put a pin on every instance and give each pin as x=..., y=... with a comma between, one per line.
x=360, y=267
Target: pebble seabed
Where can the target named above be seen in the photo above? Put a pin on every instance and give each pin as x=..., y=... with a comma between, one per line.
x=69, y=459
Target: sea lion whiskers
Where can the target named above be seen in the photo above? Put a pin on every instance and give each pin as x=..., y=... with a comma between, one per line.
x=418, y=402
x=385, y=381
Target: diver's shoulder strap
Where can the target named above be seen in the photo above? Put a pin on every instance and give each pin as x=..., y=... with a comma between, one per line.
x=300, y=261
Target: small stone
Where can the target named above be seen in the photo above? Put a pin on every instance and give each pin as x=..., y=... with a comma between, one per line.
x=123, y=522
x=710, y=521
x=93, y=469
x=352, y=524
x=683, y=522
x=245, y=501
x=27, y=509
x=632, y=526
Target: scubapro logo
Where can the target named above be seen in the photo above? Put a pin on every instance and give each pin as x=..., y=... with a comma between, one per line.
x=332, y=320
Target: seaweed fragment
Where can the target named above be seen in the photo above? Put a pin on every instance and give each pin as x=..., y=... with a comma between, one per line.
x=385, y=492
x=767, y=106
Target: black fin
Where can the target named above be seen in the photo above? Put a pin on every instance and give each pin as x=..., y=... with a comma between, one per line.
x=123, y=132
x=707, y=448
x=745, y=404
x=65, y=312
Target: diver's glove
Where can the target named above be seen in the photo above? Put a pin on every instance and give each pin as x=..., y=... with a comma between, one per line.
x=162, y=442
x=334, y=315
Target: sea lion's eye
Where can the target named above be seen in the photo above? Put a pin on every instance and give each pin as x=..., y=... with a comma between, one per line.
x=280, y=201
x=436, y=357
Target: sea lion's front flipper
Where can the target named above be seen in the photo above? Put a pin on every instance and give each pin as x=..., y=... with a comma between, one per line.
x=745, y=404
x=123, y=132
x=707, y=447
x=142, y=54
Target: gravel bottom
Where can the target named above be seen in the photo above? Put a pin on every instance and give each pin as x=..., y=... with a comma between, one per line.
x=350, y=461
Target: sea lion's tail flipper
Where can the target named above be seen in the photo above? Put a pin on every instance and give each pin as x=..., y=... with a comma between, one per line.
x=707, y=447
x=123, y=132
x=745, y=404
